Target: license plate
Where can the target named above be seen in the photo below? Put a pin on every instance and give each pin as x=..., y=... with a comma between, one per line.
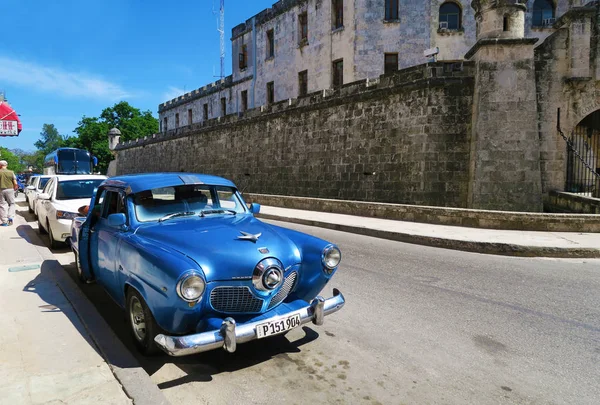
x=277, y=327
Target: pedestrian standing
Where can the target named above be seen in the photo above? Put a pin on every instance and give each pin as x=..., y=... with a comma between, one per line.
x=8, y=185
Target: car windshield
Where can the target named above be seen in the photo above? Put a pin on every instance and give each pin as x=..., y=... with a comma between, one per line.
x=43, y=182
x=74, y=189
x=187, y=200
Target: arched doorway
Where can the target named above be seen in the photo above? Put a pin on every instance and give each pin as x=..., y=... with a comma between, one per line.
x=583, y=156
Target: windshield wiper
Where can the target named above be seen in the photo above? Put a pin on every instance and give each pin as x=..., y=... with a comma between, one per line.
x=217, y=211
x=176, y=214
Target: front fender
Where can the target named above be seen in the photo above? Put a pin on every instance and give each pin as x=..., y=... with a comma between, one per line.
x=313, y=277
x=154, y=270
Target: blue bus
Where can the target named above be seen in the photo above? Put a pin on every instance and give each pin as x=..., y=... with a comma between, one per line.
x=69, y=161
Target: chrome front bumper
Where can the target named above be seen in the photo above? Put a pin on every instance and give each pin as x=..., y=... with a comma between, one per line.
x=231, y=334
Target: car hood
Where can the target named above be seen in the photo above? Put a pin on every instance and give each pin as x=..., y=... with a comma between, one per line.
x=213, y=242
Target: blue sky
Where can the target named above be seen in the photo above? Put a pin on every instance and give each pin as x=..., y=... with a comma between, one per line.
x=61, y=60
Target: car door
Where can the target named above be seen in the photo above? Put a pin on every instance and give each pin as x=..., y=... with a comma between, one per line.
x=44, y=206
x=106, y=239
x=31, y=192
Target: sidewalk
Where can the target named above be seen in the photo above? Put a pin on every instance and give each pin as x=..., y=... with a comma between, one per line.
x=511, y=243
x=51, y=337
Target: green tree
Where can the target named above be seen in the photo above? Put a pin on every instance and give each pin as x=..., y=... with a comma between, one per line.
x=14, y=162
x=92, y=136
x=132, y=122
x=50, y=139
x=29, y=159
x=92, y=131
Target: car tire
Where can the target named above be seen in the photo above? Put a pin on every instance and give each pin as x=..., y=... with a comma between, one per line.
x=54, y=244
x=138, y=313
x=41, y=229
x=28, y=205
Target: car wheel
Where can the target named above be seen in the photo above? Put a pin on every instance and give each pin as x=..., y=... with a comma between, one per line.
x=141, y=322
x=54, y=244
x=28, y=205
x=41, y=229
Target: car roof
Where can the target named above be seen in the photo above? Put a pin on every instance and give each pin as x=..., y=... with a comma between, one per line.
x=135, y=183
x=66, y=177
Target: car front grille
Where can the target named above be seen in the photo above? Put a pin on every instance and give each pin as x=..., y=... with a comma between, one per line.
x=235, y=300
x=287, y=286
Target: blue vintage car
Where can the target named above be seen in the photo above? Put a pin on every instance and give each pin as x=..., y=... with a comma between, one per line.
x=194, y=269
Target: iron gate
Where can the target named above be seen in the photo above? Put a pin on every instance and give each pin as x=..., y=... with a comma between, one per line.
x=583, y=148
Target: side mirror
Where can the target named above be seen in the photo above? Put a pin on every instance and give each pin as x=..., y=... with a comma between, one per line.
x=43, y=196
x=30, y=188
x=254, y=208
x=95, y=160
x=117, y=220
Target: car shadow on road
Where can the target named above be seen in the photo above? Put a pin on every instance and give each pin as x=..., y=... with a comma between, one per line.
x=202, y=367
x=28, y=233
x=45, y=286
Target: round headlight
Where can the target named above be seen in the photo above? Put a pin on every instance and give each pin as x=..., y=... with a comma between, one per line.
x=191, y=288
x=331, y=257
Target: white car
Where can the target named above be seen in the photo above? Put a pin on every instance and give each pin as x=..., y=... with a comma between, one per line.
x=57, y=205
x=35, y=186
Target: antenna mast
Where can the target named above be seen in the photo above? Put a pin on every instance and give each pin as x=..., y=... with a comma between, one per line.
x=221, y=30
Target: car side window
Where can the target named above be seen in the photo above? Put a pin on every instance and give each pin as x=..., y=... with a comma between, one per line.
x=48, y=188
x=115, y=203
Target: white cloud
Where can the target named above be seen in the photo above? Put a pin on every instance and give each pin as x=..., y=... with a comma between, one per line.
x=172, y=92
x=50, y=79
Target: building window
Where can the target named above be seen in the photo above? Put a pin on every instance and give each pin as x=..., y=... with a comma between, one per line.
x=506, y=23
x=337, y=7
x=543, y=13
x=390, y=62
x=450, y=16
x=303, y=83
x=244, y=98
x=205, y=112
x=176, y=120
x=270, y=44
x=391, y=9
x=165, y=125
x=270, y=93
x=190, y=116
x=244, y=57
x=303, y=24
x=338, y=73
x=223, y=106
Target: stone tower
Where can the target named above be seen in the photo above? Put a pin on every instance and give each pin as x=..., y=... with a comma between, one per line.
x=504, y=172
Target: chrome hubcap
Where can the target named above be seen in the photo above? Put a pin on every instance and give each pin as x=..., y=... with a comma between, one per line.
x=138, y=322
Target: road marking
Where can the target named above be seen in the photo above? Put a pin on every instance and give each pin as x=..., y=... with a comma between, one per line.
x=23, y=268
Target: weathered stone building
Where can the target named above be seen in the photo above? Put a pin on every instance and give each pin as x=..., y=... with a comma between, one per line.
x=301, y=46
x=477, y=128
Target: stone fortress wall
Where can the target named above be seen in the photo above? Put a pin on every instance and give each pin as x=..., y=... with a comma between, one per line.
x=404, y=138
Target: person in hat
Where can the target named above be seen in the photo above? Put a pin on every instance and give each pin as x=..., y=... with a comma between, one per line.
x=8, y=185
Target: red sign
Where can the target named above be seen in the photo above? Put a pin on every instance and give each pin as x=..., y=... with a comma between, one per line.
x=9, y=128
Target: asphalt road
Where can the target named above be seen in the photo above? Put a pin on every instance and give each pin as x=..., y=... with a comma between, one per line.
x=421, y=325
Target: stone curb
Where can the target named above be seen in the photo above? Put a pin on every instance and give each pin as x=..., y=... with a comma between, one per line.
x=133, y=378
x=502, y=249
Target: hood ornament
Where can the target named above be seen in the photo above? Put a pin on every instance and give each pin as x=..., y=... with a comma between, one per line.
x=249, y=236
